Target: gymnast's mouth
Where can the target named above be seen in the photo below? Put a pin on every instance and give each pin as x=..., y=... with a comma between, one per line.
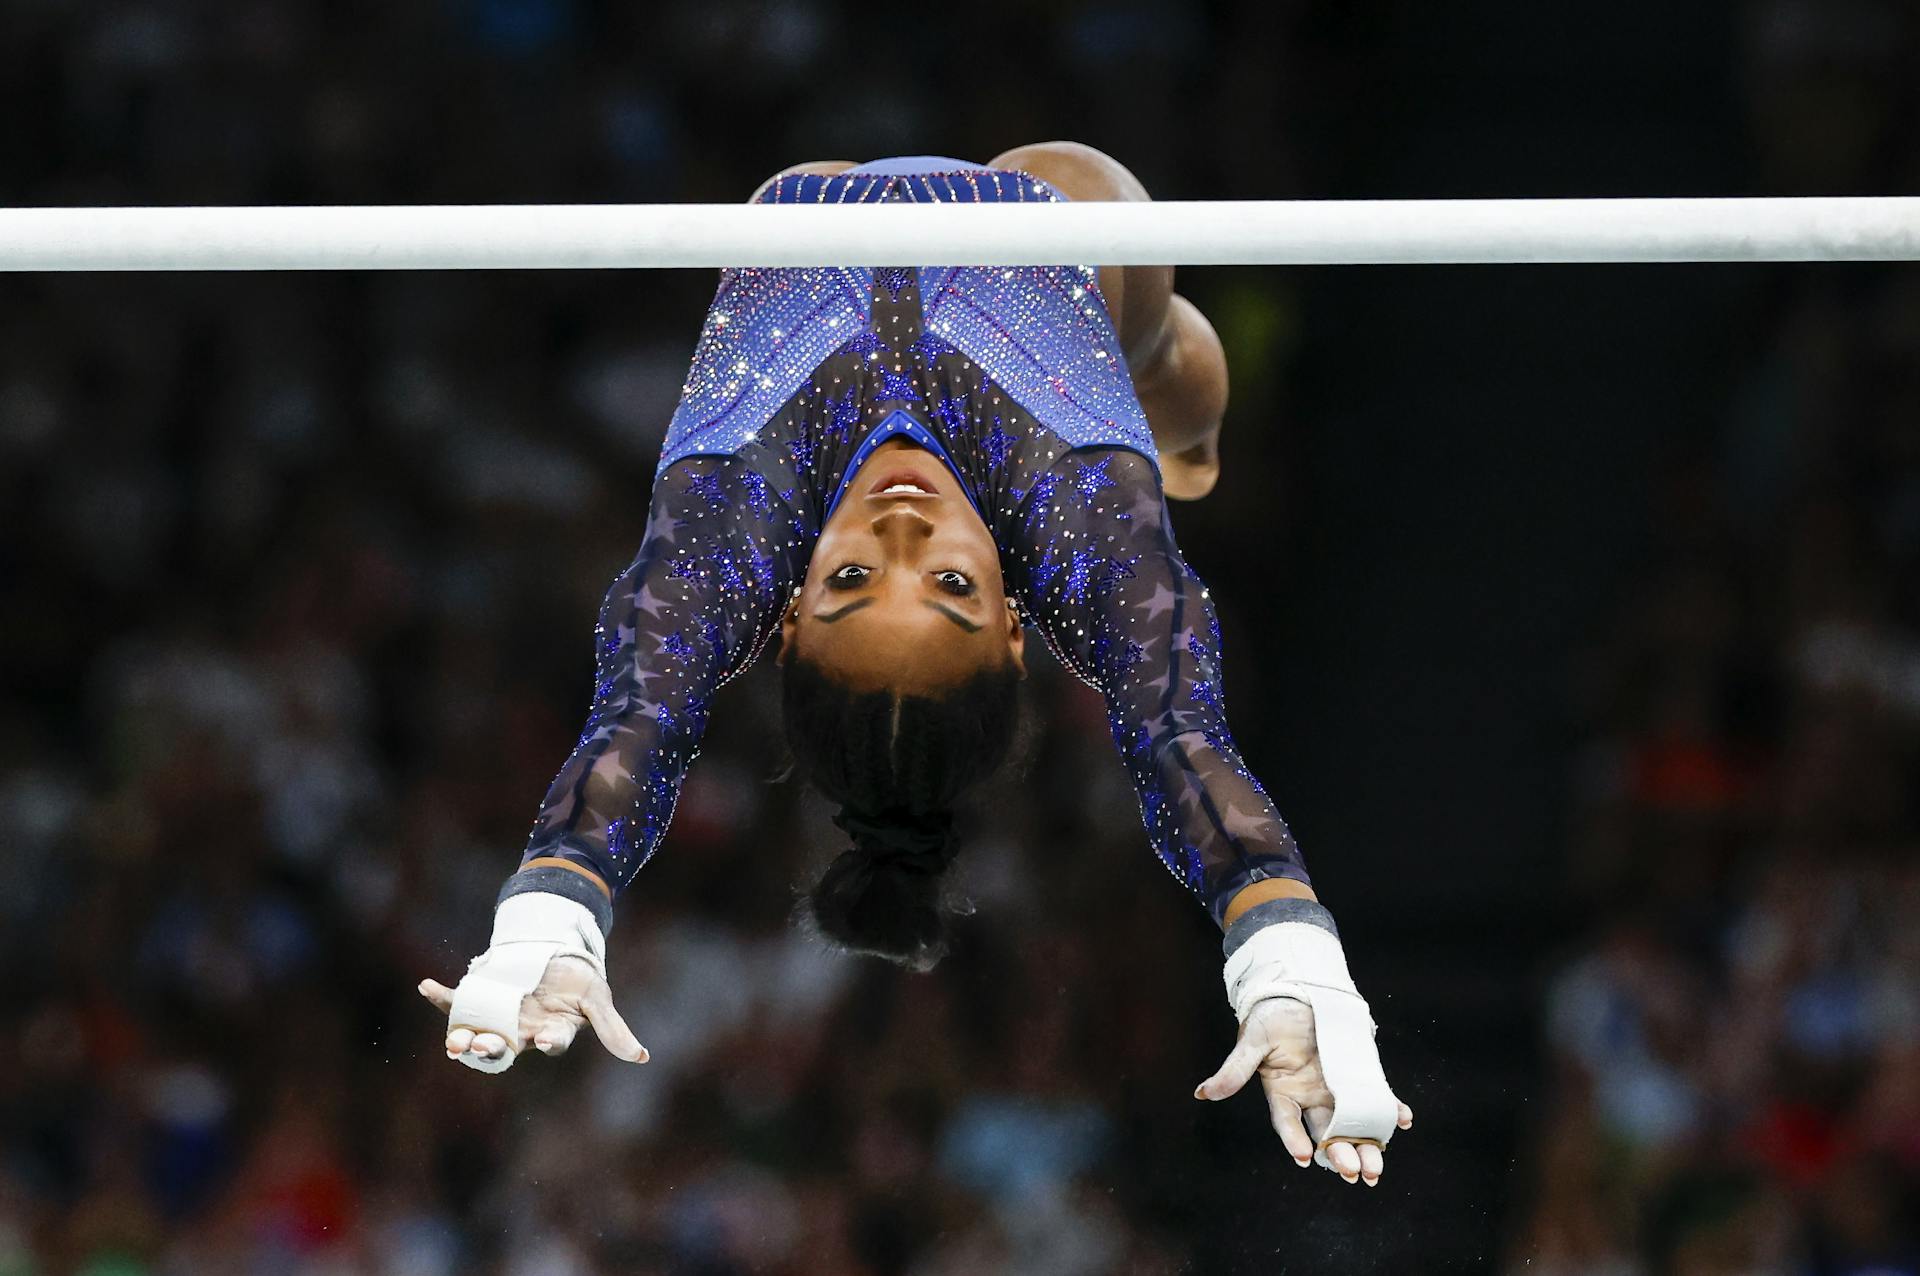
x=903, y=484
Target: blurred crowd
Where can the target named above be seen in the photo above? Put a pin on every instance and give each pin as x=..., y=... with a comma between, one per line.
x=1735, y=1041
x=298, y=576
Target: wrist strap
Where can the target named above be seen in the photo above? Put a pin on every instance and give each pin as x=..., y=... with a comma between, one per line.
x=539, y=917
x=567, y=884
x=1280, y=956
x=1271, y=913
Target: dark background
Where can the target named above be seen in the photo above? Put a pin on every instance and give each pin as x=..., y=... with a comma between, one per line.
x=1567, y=612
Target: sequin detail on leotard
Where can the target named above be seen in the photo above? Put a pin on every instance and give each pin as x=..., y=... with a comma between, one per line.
x=1041, y=332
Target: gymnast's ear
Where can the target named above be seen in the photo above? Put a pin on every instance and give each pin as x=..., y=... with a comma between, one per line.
x=1016, y=639
x=789, y=631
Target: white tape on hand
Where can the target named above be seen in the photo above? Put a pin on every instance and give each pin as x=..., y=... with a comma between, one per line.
x=529, y=931
x=1306, y=962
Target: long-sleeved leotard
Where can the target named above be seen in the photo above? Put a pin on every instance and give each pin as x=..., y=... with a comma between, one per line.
x=1085, y=544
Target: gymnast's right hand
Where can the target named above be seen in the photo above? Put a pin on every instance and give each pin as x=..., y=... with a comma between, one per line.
x=544, y=975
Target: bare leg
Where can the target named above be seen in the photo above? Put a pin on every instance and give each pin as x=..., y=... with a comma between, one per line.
x=1184, y=392
x=1179, y=368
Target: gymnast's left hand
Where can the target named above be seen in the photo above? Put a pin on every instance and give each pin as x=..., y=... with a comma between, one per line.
x=1277, y=1041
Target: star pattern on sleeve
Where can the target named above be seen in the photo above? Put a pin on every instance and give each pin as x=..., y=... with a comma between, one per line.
x=711, y=488
x=759, y=498
x=698, y=601
x=998, y=444
x=676, y=646
x=845, y=413
x=952, y=412
x=1091, y=479
x=1104, y=582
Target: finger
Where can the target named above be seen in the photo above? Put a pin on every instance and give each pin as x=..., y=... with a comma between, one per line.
x=1288, y=1122
x=611, y=1028
x=1318, y=1117
x=438, y=993
x=1406, y=1117
x=1240, y=1064
x=1372, y=1164
x=555, y=1036
x=488, y=1045
x=458, y=1040
x=1345, y=1161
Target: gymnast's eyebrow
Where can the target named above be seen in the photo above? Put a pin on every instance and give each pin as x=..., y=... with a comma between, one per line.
x=830, y=616
x=955, y=617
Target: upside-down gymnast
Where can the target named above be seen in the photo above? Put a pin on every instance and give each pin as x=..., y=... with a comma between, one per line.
x=899, y=471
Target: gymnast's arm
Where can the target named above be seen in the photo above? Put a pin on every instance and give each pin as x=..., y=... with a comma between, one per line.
x=693, y=608
x=1107, y=588
x=1105, y=584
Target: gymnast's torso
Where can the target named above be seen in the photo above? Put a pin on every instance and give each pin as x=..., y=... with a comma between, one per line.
x=1012, y=376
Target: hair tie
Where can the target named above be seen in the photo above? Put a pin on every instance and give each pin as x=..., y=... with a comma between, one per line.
x=917, y=843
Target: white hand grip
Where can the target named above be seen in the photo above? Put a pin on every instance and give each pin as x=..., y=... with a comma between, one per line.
x=1303, y=961
x=529, y=931
x=489, y=996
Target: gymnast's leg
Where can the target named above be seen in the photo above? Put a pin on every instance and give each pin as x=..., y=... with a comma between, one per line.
x=1179, y=369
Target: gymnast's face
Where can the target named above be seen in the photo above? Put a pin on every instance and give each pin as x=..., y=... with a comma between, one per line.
x=904, y=590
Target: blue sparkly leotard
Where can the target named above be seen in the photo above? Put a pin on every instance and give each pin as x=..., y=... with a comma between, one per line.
x=1015, y=378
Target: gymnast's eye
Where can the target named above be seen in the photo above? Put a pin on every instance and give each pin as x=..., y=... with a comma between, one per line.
x=954, y=583
x=849, y=576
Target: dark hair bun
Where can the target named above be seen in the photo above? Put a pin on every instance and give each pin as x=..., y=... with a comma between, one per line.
x=883, y=896
x=895, y=764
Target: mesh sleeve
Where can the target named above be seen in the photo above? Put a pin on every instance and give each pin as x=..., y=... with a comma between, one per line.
x=1103, y=582
x=696, y=605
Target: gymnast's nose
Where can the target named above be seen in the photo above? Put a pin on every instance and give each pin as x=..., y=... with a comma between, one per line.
x=901, y=528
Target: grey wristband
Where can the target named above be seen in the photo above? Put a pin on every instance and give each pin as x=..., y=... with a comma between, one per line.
x=1272, y=912
x=565, y=883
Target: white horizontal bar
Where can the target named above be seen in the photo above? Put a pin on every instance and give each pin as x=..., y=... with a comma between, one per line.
x=599, y=236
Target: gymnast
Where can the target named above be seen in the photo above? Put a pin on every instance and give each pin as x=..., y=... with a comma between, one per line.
x=899, y=472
